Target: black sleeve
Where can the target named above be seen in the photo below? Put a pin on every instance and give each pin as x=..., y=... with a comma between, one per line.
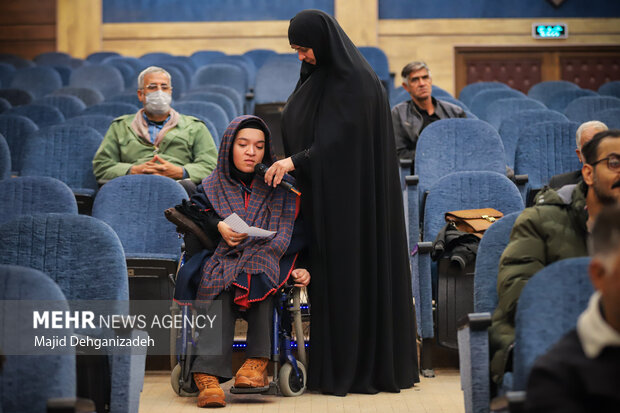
x=301, y=159
x=401, y=138
x=200, y=210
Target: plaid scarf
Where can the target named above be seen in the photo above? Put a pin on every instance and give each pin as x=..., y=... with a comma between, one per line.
x=268, y=208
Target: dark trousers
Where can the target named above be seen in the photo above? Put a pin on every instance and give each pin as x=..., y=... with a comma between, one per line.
x=259, y=318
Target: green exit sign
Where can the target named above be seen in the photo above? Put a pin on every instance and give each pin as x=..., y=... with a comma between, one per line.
x=549, y=30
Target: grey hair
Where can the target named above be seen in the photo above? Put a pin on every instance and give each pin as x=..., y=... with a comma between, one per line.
x=152, y=69
x=593, y=124
x=414, y=67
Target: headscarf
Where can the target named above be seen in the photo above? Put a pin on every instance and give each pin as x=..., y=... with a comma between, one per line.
x=269, y=208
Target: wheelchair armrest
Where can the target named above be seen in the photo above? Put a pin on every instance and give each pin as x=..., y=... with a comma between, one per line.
x=405, y=163
x=425, y=247
x=521, y=179
x=475, y=321
x=185, y=225
x=249, y=96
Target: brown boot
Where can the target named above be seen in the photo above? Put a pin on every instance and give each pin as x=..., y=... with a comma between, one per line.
x=253, y=373
x=211, y=394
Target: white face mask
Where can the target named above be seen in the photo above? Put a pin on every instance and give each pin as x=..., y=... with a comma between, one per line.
x=158, y=103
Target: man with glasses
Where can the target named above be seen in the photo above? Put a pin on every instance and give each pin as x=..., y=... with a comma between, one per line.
x=557, y=227
x=409, y=118
x=156, y=140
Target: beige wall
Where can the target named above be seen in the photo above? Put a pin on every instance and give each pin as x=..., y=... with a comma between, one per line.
x=432, y=40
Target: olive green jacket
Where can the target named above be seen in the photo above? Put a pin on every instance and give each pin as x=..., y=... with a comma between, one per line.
x=189, y=145
x=552, y=230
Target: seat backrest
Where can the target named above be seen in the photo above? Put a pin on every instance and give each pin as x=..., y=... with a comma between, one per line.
x=39, y=80
x=546, y=149
x=559, y=100
x=134, y=62
x=439, y=92
x=87, y=95
x=222, y=74
x=218, y=98
x=16, y=130
x=41, y=114
x=16, y=97
x=450, y=99
x=511, y=128
x=377, y=60
x=51, y=58
x=260, y=56
x=243, y=62
x=587, y=108
x=130, y=97
x=544, y=90
x=179, y=82
x=17, y=61
x=451, y=145
x=27, y=195
x=469, y=91
x=101, y=123
x=5, y=160
x=98, y=57
x=506, y=107
x=153, y=58
x=28, y=381
x=64, y=152
x=398, y=95
x=127, y=71
x=6, y=74
x=610, y=117
x=468, y=190
x=5, y=105
x=490, y=250
x=486, y=99
x=549, y=306
x=142, y=226
x=234, y=95
x=107, y=79
x=114, y=109
x=276, y=80
x=610, y=89
x=82, y=254
x=207, y=110
x=204, y=57
x=70, y=106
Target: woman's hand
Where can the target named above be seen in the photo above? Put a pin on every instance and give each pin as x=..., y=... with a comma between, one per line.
x=231, y=237
x=301, y=277
x=274, y=174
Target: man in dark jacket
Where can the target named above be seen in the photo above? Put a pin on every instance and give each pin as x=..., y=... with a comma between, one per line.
x=554, y=229
x=412, y=116
x=582, y=371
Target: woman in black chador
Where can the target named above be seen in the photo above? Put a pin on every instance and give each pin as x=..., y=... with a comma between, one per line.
x=338, y=137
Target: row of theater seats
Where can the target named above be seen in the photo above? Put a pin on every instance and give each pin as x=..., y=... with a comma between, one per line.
x=76, y=257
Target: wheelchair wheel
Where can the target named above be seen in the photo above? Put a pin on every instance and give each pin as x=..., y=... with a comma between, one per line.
x=175, y=376
x=290, y=384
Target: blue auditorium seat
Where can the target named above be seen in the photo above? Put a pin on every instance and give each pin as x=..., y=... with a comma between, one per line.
x=610, y=89
x=276, y=80
x=587, y=108
x=4, y=105
x=65, y=73
x=16, y=97
x=560, y=100
x=243, y=62
x=185, y=68
x=205, y=57
x=153, y=58
x=5, y=160
x=220, y=99
x=52, y=59
x=610, y=117
x=511, y=128
x=506, y=107
x=107, y=79
x=101, y=123
x=485, y=99
x=440, y=93
x=399, y=95
x=545, y=149
x=6, y=74
x=41, y=114
x=127, y=71
x=234, y=95
x=90, y=266
x=129, y=96
x=260, y=56
x=473, y=338
x=114, y=109
x=27, y=195
x=64, y=152
x=39, y=81
x=549, y=306
x=87, y=95
x=16, y=61
x=543, y=91
x=379, y=62
x=99, y=57
x=17, y=130
x=469, y=91
x=69, y=105
x=29, y=381
x=223, y=74
x=208, y=111
x=449, y=99
x=135, y=64
x=179, y=84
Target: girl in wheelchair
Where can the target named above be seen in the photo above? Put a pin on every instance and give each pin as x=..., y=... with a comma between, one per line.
x=241, y=272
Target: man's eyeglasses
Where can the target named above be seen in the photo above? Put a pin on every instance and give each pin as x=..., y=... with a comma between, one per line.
x=613, y=162
x=153, y=87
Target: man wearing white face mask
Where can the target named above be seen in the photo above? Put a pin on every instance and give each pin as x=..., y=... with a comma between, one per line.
x=157, y=139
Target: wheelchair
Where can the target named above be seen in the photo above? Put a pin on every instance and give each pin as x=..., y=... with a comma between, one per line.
x=289, y=372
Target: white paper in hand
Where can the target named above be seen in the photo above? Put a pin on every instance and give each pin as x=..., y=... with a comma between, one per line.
x=235, y=222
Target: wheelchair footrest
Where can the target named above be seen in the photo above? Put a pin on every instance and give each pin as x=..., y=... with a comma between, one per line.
x=249, y=390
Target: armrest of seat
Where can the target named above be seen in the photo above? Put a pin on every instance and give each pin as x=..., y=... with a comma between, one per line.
x=185, y=225
x=521, y=179
x=128, y=376
x=249, y=96
x=405, y=163
x=516, y=401
x=473, y=346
